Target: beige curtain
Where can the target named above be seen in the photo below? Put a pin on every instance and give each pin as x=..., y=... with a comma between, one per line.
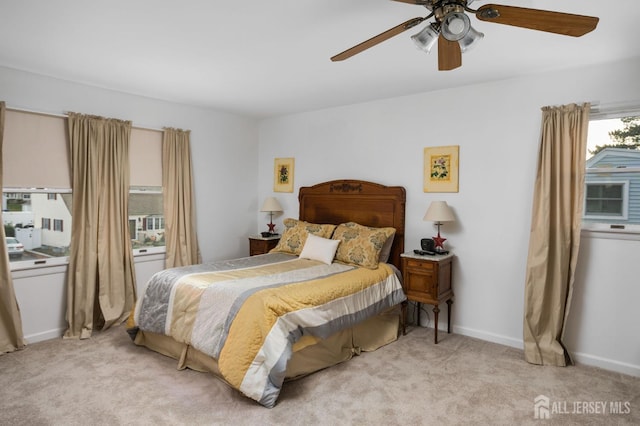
x=101, y=279
x=10, y=322
x=555, y=232
x=179, y=209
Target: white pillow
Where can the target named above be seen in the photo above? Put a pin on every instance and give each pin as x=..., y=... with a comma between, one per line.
x=320, y=249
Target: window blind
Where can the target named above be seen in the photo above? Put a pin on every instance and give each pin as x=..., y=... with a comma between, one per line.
x=36, y=152
x=145, y=157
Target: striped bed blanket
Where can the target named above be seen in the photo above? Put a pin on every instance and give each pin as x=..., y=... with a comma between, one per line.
x=249, y=313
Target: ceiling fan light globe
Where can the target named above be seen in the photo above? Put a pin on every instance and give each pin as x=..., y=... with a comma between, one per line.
x=470, y=40
x=455, y=26
x=426, y=38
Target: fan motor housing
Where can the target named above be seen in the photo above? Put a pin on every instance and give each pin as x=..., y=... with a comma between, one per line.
x=444, y=8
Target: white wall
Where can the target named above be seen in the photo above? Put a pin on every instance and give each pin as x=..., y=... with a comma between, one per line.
x=497, y=126
x=224, y=150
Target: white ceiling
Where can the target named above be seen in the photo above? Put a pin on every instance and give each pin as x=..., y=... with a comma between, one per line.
x=268, y=58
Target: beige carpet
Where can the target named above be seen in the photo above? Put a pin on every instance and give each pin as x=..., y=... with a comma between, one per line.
x=107, y=380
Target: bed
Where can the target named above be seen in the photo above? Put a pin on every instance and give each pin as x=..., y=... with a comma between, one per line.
x=329, y=290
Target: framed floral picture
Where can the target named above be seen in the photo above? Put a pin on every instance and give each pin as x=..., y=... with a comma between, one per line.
x=283, y=175
x=441, y=169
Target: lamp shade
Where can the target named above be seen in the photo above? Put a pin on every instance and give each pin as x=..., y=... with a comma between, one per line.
x=271, y=205
x=455, y=26
x=439, y=211
x=471, y=39
x=426, y=38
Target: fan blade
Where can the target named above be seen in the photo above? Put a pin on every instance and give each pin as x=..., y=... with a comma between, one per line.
x=535, y=19
x=449, y=54
x=377, y=39
x=418, y=2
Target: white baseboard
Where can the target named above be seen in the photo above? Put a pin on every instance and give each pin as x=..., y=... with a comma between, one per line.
x=45, y=335
x=490, y=337
x=606, y=364
x=578, y=358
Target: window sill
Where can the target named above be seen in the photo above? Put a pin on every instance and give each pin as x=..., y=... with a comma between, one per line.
x=27, y=265
x=604, y=231
x=43, y=266
x=147, y=251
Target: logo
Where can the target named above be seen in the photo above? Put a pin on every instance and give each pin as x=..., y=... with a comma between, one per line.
x=544, y=408
x=541, y=407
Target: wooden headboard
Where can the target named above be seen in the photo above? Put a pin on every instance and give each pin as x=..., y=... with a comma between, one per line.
x=366, y=203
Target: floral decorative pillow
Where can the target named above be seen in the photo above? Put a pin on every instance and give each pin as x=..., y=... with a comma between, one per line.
x=295, y=235
x=361, y=245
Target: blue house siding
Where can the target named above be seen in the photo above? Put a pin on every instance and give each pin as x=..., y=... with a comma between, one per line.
x=618, y=165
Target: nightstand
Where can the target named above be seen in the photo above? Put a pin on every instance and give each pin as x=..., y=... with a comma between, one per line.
x=427, y=279
x=261, y=245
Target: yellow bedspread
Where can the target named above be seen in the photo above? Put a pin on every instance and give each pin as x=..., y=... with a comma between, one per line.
x=249, y=313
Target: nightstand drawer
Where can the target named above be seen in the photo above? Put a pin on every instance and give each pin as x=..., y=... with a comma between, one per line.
x=258, y=245
x=422, y=264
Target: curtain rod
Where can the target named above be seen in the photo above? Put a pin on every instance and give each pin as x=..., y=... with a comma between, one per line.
x=614, y=109
x=64, y=115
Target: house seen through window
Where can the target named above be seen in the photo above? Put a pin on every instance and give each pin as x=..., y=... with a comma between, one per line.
x=39, y=221
x=612, y=181
x=146, y=217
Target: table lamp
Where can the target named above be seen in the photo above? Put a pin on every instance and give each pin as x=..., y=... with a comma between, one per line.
x=271, y=205
x=438, y=212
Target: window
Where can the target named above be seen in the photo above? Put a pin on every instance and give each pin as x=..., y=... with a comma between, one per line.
x=146, y=211
x=35, y=155
x=612, y=180
x=146, y=218
x=153, y=222
x=606, y=200
x=37, y=187
x=57, y=225
x=38, y=224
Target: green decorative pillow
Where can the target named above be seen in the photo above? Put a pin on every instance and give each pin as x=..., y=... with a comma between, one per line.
x=295, y=235
x=361, y=245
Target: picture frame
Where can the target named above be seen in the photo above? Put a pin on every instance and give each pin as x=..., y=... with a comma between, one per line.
x=441, y=168
x=283, y=170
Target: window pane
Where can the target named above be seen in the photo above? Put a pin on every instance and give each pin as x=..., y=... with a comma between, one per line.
x=594, y=191
x=146, y=216
x=604, y=199
x=594, y=206
x=612, y=207
x=612, y=191
x=41, y=223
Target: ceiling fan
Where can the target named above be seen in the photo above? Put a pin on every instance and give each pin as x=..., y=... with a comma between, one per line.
x=454, y=34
